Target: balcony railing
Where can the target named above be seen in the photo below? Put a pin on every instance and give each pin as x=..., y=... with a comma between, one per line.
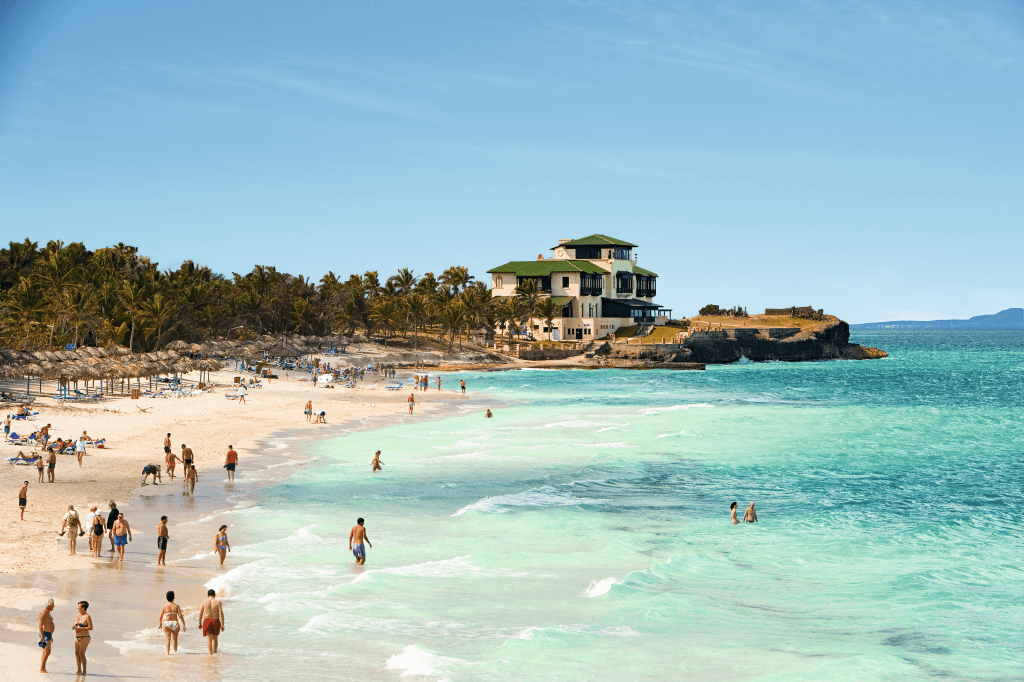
x=590, y=291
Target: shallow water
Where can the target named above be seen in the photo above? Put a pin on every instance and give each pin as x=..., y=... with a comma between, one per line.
x=583, y=532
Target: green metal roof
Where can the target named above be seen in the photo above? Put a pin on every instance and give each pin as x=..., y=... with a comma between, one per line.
x=544, y=268
x=637, y=270
x=595, y=240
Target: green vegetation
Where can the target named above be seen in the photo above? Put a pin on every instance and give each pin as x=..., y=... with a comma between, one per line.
x=65, y=294
x=712, y=310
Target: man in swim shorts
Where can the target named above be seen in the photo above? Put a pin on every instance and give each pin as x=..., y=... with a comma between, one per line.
x=211, y=620
x=51, y=463
x=230, y=462
x=122, y=533
x=412, y=402
x=46, y=629
x=169, y=459
x=161, y=542
x=23, y=499
x=356, y=537
x=151, y=470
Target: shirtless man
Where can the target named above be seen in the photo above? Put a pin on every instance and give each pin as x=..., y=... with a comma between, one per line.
x=161, y=559
x=122, y=534
x=151, y=470
x=167, y=442
x=750, y=515
x=40, y=467
x=46, y=629
x=462, y=385
x=377, y=464
x=230, y=462
x=308, y=410
x=191, y=476
x=356, y=537
x=186, y=456
x=23, y=498
x=169, y=459
x=171, y=618
x=211, y=620
x=51, y=462
x=44, y=436
x=412, y=402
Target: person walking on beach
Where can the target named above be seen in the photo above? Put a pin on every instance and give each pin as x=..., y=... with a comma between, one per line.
x=96, y=532
x=356, y=537
x=167, y=441
x=70, y=526
x=161, y=544
x=376, y=463
x=221, y=543
x=51, y=463
x=80, y=450
x=462, y=385
x=186, y=456
x=82, y=627
x=412, y=402
x=211, y=620
x=169, y=459
x=750, y=515
x=171, y=618
x=732, y=513
x=111, y=520
x=90, y=523
x=44, y=436
x=122, y=533
x=308, y=410
x=241, y=394
x=230, y=461
x=7, y=426
x=23, y=498
x=46, y=629
x=191, y=476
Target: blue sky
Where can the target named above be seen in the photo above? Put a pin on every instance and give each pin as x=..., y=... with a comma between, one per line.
x=858, y=156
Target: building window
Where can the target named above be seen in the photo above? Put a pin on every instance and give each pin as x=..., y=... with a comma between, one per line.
x=622, y=253
x=623, y=283
x=588, y=252
x=498, y=283
x=591, y=285
x=565, y=282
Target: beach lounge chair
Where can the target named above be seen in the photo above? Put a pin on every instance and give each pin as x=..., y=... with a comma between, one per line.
x=25, y=416
x=19, y=460
x=394, y=387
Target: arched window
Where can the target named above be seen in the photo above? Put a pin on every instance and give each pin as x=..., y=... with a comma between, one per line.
x=498, y=283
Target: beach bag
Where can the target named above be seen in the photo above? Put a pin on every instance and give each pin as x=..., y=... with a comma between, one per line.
x=73, y=521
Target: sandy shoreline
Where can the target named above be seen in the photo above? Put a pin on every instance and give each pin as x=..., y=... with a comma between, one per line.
x=34, y=563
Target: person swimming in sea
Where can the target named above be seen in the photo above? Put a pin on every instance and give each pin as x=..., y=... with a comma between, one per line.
x=750, y=515
x=732, y=514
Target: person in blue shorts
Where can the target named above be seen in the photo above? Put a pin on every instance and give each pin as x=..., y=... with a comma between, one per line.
x=356, y=537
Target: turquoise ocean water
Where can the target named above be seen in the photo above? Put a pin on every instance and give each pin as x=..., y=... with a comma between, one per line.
x=583, y=533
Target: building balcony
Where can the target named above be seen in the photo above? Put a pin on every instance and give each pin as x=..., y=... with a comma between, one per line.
x=590, y=291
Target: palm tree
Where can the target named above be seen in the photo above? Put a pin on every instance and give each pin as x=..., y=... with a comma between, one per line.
x=529, y=295
x=57, y=277
x=417, y=307
x=386, y=315
x=453, y=321
x=509, y=310
x=131, y=297
x=456, y=276
x=154, y=314
x=548, y=311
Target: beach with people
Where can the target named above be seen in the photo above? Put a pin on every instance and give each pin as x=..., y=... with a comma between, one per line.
x=129, y=475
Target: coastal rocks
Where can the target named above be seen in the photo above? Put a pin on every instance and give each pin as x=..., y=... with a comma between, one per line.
x=729, y=345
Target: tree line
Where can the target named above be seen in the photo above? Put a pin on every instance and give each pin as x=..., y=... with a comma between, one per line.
x=65, y=294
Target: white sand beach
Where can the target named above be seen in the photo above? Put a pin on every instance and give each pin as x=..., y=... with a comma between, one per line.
x=35, y=563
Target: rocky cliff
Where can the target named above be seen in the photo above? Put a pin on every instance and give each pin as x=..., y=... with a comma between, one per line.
x=729, y=345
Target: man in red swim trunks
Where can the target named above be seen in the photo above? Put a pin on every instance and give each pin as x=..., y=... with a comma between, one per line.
x=211, y=620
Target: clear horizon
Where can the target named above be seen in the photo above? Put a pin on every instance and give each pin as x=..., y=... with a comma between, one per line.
x=860, y=157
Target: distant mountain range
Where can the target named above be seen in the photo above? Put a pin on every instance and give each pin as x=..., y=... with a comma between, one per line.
x=1011, y=318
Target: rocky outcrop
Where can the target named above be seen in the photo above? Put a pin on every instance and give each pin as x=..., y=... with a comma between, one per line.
x=729, y=345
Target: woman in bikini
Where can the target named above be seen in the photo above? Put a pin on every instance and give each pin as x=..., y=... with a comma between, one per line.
x=82, y=626
x=98, y=529
x=222, y=544
x=170, y=620
x=732, y=514
x=377, y=464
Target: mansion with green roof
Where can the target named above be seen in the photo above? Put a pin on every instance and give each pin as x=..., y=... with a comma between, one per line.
x=595, y=280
